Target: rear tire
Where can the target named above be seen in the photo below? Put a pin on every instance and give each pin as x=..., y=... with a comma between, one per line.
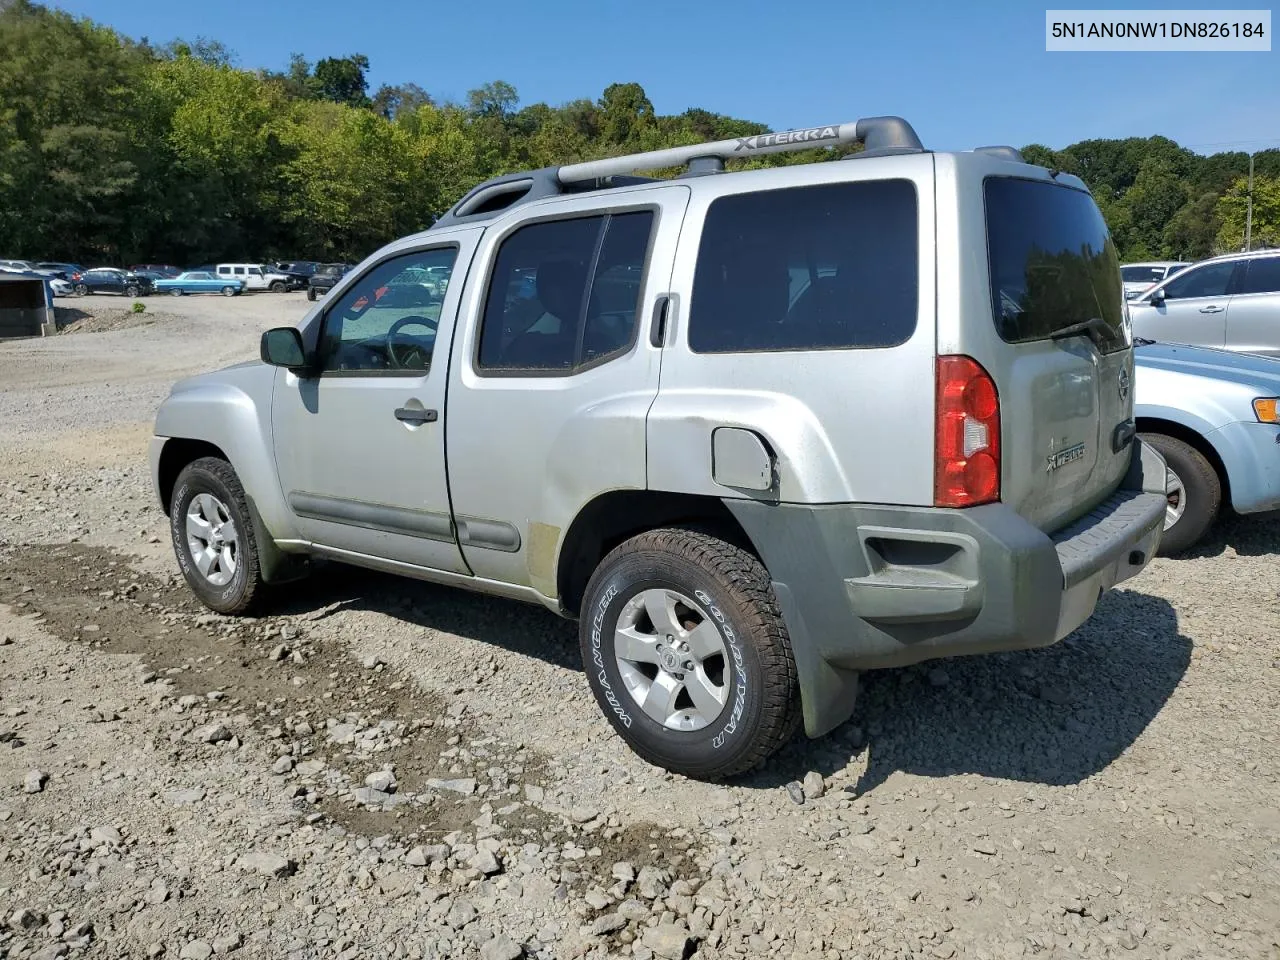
x=82, y=290
x=175, y=293
x=311, y=293
x=131, y=292
x=213, y=538
x=722, y=618
x=229, y=291
x=1195, y=493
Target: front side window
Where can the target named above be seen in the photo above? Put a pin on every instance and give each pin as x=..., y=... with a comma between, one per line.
x=385, y=323
x=1211, y=280
x=564, y=294
x=1051, y=260
x=1263, y=276
x=825, y=267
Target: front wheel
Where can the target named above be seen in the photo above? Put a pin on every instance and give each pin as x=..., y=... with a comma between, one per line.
x=82, y=290
x=311, y=293
x=175, y=292
x=229, y=291
x=1193, y=490
x=687, y=654
x=131, y=292
x=277, y=286
x=213, y=536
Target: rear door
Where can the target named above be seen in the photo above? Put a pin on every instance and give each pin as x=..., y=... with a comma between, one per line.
x=1253, y=315
x=1190, y=307
x=1051, y=265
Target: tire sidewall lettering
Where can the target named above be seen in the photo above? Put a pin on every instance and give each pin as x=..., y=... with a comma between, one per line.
x=737, y=665
x=597, y=657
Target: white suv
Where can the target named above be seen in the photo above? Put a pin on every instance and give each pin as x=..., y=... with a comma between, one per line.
x=255, y=276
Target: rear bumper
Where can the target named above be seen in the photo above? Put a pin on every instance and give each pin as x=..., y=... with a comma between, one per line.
x=863, y=587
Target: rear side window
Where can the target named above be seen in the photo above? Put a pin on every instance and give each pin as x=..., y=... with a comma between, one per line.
x=825, y=267
x=1263, y=276
x=564, y=294
x=1052, y=261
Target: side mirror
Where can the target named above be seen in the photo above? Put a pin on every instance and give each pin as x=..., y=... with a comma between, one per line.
x=282, y=347
x=1156, y=298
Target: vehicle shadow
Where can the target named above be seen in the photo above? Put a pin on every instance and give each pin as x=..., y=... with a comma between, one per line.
x=1053, y=716
x=1249, y=535
x=521, y=628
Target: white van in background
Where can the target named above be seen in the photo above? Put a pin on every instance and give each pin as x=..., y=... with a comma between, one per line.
x=255, y=276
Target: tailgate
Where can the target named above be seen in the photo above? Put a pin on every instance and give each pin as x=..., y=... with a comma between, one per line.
x=1064, y=364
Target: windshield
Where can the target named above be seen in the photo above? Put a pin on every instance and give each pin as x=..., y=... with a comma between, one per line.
x=1052, y=262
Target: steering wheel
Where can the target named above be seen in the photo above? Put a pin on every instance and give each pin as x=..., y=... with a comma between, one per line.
x=414, y=356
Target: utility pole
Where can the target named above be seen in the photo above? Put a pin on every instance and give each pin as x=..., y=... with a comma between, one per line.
x=1248, y=217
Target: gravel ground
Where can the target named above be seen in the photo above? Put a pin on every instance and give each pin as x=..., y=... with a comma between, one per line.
x=382, y=768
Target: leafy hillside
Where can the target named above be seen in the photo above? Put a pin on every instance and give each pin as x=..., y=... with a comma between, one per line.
x=115, y=150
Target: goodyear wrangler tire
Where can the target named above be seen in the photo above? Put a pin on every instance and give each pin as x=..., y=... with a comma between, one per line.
x=687, y=654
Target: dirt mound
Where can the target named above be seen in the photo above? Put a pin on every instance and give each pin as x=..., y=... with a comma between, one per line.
x=74, y=320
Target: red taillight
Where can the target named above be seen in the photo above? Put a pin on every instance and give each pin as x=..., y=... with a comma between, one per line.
x=966, y=449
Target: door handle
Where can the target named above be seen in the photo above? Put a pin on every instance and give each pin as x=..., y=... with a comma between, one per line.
x=658, y=326
x=1211, y=309
x=416, y=415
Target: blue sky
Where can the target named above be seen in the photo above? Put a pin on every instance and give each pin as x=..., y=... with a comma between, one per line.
x=963, y=75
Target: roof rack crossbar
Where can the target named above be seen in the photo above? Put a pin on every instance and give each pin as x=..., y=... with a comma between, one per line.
x=875, y=133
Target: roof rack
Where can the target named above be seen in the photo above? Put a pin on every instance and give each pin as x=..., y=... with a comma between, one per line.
x=879, y=136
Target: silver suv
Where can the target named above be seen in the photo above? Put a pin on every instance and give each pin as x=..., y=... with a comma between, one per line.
x=757, y=431
x=1230, y=302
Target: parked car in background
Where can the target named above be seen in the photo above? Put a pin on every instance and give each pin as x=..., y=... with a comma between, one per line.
x=1231, y=302
x=255, y=276
x=199, y=281
x=61, y=288
x=163, y=269
x=26, y=266
x=323, y=280
x=1138, y=277
x=298, y=272
x=1212, y=415
x=113, y=280
x=63, y=271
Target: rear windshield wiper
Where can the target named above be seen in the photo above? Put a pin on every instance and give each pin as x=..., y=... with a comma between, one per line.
x=1095, y=328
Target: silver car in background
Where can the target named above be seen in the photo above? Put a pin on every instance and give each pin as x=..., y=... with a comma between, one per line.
x=1140, y=277
x=1213, y=416
x=1231, y=302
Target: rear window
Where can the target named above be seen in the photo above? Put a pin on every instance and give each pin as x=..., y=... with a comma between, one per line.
x=1052, y=261
x=824, y=267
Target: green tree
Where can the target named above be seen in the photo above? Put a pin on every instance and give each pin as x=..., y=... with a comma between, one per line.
x=494, y=100
x=626, y=112
x=1192, y=232
x=342, y=80
x=1233, y=211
